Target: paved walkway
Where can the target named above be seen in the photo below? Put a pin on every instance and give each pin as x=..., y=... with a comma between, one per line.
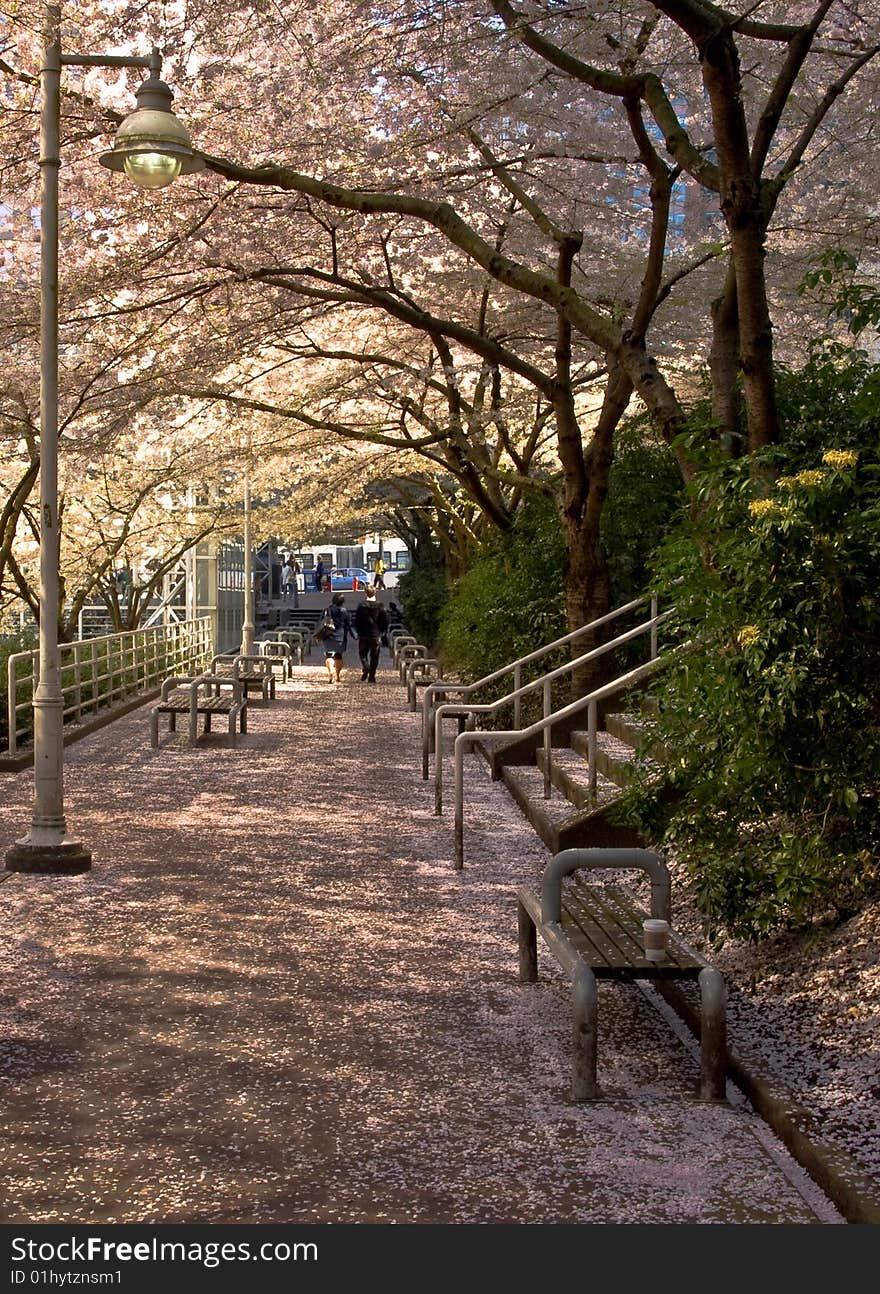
x=273, y=1000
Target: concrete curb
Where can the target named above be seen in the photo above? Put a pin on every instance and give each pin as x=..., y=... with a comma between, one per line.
x=16, y=763
x=846, y=1185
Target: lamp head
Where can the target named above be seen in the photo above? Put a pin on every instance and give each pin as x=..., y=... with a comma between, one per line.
x=152, y=146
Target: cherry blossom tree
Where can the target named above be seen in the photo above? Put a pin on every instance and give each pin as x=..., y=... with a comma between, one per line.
x=582, y=203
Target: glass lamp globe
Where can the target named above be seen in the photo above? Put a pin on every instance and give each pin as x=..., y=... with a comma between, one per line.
x=152, y=170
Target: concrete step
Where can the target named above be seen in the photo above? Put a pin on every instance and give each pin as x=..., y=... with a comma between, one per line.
x=570, y=774
x=614, y=757
x=627, y=726
x=558, y=823
x=633, y=728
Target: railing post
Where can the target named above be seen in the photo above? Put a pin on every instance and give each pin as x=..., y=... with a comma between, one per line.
x=592, y=744
x=654, y=610
x=438, y=760
x=517, y=700
x=77, y=677
x=11, y=706
x=93, y=660
x=459, y=804
x=548, y=743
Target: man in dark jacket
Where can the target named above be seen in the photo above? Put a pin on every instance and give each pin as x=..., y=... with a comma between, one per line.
x=370, y=623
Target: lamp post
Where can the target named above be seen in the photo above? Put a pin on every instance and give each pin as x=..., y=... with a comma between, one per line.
x=153, y=148
x=248, y=626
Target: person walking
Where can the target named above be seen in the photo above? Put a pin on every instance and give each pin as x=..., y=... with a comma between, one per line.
x=335, y=645
x=379, y=574
x=370, y=623
x=288, y=576
x=319, y=575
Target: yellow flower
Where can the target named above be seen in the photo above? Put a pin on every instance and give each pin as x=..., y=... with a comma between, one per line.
x=812, y=476
x=748, y=636
x=787, y=483
x=764, y=508
x=840, y=459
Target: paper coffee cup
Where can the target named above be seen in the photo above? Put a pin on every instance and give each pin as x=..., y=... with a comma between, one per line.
x=656, y=937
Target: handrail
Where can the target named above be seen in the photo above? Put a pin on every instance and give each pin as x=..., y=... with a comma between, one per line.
x=97, y=673
x=515, y=667
x=548, y=647
x=458, y=708
x=541, y=725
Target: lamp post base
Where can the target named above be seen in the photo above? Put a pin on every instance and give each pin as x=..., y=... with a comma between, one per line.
x=66, y=858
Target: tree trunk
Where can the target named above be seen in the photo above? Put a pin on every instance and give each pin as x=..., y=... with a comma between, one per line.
x=743, y=209
x=724, y=365
x=586, y=581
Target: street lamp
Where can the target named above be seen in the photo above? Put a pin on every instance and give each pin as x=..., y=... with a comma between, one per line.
x=153, y=148
x=248, y=626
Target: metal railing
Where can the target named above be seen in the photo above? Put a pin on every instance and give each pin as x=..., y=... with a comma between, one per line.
x=99, y=674
x=516, y=667
x=589, y=702
x=458, y=709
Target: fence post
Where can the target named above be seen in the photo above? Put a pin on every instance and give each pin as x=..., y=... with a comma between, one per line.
x=548, y=742
x=592, y=744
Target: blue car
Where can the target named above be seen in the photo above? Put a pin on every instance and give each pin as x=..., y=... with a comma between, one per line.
x=349, y=577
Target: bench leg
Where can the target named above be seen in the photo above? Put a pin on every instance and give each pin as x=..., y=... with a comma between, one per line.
x=713, y=1035
x=208, y=721
x=232, y=724
x=154, y=728
x=243, y=716
x=193, y=726
x=528, y=946
x=172, y=722
x=585, y=1024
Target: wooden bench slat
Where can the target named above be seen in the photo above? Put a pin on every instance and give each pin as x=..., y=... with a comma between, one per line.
x=590, y=939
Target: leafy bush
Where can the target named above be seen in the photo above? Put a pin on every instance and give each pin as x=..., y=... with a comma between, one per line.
x=510, y=602
x=644, y=496
x=772, y=717
x=423, y=595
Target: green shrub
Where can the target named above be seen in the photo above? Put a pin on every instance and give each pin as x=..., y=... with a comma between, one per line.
x=510, y=602
x=644, y=497
x=772, y=717
x=423, y=595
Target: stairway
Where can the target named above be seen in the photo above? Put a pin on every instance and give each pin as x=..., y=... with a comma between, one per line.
x=571, y=817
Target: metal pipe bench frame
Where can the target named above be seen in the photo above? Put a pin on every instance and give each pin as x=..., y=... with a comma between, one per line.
x=546, y=912
x=299, y=634
x=406, y=654
x=398, y=642
x=278, y=652
x=418, y=674
x=190, y=703
x=229, y=665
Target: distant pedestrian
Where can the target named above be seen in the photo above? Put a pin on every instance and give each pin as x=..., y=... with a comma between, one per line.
x=319, y=575
x=288, y=576
x=379, y=574
x=370, y=624
x=335, y=645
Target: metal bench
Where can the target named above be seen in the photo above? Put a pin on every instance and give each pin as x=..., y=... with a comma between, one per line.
x=407, y=652
x=595, y=932
x=201, y=694
x=278, y=652
x=397, y=641
x=419, y=672
x=255, y=673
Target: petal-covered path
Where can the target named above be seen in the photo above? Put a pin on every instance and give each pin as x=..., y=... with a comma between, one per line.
x=274, y=1000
